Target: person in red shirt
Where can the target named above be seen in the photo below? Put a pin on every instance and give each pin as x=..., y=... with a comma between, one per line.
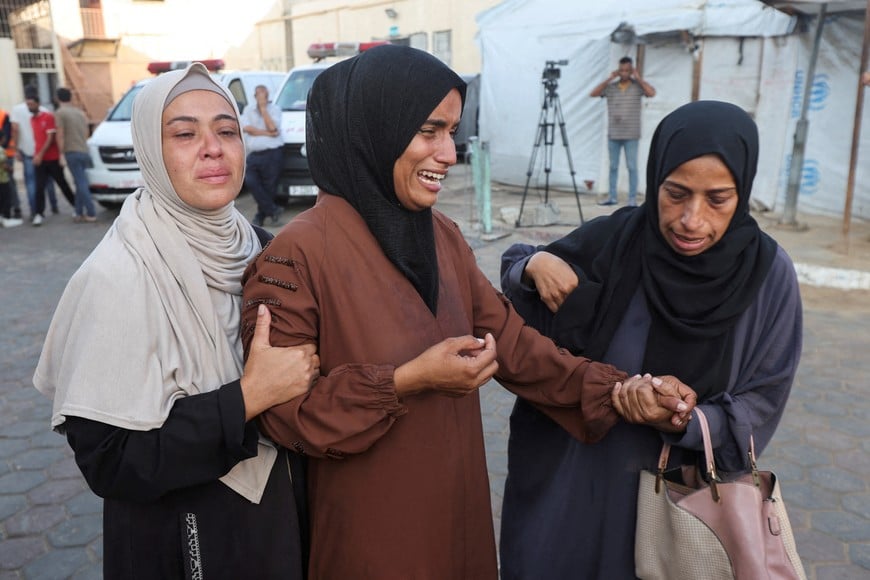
x=46, y=159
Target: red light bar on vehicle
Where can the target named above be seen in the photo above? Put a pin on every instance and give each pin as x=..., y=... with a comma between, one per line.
x=155, y=68
x=320, y=50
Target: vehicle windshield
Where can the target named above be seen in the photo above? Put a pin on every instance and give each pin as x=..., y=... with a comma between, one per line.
x=123, y=111
x=294, y=93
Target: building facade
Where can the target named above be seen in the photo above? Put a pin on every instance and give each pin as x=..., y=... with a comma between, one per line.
x=99, y=48
x=446, y=28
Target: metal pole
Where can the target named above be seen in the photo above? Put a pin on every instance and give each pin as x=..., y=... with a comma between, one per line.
x=486, y=216
x=789, y=214
x=856, y=127
x=473, y=147
x=480, y=174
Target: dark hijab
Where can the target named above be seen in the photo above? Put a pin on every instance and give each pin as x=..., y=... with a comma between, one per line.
x=362, y=114
x=694, y=301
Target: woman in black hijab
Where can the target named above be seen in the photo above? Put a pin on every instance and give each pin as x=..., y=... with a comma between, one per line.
x=407, y=328
x=352, y=150
x=685, y=285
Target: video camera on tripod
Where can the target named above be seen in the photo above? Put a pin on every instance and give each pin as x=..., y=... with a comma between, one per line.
x=551, y=118
x=552, y=72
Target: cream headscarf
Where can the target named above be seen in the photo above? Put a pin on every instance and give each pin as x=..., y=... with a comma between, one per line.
x=153, y=313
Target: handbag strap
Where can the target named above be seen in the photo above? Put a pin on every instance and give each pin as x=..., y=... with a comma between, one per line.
x=709, y=460
x=708, y=444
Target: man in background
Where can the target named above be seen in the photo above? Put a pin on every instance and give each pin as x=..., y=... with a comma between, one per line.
x=46, y=159
x=72, y=135
x=623, y=90
x=23, y=135
x=261, y=123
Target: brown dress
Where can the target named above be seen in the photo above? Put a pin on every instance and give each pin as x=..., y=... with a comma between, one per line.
x=399, y=488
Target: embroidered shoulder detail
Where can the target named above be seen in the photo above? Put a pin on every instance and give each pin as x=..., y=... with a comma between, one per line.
x=284, y=261
x=280, y=260
x=276, y=282
x=333, y=453
x=248, y=327
x=257, y=301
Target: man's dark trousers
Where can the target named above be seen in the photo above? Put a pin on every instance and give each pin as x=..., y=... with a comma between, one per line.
x=261, y=178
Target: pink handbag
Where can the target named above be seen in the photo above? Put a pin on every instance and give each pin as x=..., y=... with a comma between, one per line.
x=690, y=528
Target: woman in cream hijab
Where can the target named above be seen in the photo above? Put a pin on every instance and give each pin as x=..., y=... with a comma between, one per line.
x=143, y=359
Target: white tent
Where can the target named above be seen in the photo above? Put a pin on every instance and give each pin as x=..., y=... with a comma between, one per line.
x=741, y=51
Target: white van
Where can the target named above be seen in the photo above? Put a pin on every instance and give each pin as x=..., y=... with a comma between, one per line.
x=295, y=179
x=243, y=83
x=115, y=173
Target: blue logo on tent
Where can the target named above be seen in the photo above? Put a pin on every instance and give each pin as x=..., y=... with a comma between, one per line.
x=797, y=94
x=819, y=93
x=811, y=176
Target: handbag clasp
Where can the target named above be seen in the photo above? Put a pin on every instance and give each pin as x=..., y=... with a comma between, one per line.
x=714, y=481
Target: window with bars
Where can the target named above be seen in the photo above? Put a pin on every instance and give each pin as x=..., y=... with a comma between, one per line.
x=92, y=19
x=441, y=46
x=36, y=60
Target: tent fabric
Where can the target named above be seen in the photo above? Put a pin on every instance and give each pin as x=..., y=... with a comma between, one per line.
x=517, y=37
x=746, y=52
x=831, y=116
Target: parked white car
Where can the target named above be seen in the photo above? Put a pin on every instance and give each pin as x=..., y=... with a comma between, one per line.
x=115, y=173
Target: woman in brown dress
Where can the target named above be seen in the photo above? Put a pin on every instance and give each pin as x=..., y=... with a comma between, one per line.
x=398, y=484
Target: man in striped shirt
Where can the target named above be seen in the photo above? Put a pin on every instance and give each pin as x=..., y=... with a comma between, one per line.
x=623, y=90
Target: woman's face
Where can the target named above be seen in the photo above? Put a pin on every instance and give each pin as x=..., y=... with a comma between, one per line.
x=696, y=204
x=417, y=174
x=203, y=150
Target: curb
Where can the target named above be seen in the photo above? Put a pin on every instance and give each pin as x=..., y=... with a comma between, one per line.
x=840, y=278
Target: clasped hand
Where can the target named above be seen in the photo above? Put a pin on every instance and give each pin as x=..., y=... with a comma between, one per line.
x=454, y=367
x=275, y=375
x=664, y=403
x=553, y=278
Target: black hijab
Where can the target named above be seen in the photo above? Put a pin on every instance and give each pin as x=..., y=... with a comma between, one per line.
x=362, y=114
x=694, y=301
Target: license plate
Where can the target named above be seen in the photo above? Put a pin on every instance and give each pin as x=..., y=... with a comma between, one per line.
x=302, y=190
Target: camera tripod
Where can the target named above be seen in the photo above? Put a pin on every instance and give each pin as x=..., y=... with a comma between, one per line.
x=551, y=115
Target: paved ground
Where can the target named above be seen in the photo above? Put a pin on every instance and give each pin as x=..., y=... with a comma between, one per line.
x=50, y=524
